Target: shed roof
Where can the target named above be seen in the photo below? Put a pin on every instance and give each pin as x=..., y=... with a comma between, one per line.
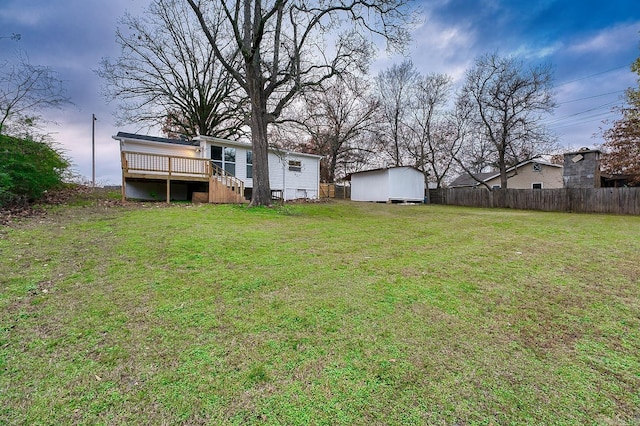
x=348, y=177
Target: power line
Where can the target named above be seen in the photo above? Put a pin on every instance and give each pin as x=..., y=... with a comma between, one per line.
x=591, y=76
x=591, y=97
x=583, y=120
x=560, y=119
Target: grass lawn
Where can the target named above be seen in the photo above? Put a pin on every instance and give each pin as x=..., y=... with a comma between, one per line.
x=333, y=313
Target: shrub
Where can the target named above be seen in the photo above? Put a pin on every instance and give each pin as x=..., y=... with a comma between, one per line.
x=28, y=169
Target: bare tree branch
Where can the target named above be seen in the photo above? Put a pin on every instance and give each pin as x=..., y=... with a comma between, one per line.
x=507, y=103
x=167, y=75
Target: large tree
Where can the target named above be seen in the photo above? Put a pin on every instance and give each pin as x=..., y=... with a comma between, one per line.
x=25, y=91
x=339, y=120
x=284, y=50
x=429, y=147
x=396, y=88
x=506, y=102
x=622, y=140
x=168, y=75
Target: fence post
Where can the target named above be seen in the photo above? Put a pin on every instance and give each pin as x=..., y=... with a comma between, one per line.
x=169, y=180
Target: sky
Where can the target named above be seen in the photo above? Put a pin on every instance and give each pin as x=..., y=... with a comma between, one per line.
x=590, y=45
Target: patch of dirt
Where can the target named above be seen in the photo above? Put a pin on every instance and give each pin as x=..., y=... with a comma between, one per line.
x=72, y=193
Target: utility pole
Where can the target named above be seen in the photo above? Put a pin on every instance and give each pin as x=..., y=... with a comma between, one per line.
x=93, y=150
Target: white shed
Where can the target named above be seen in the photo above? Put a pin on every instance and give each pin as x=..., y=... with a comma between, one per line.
x=388, y=185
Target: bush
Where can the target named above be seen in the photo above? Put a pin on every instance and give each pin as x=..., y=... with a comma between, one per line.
x=28, y=169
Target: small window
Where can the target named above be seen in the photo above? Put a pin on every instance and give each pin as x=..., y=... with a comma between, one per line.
x=295, y=166
x=537, y=167
x=249, y=165
x=216, y=155
x=496, y=187
x=537, y=185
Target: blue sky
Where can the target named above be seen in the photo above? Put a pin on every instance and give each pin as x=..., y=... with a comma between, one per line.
x=590, y=45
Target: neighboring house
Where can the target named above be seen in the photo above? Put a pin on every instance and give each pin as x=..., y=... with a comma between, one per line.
x=388, y=185
x=209, y=169
x=532, y=174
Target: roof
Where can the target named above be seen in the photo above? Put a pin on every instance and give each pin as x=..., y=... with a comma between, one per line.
x=124, y=135
x=210, y=139
x=468, y=180
x=348, y=177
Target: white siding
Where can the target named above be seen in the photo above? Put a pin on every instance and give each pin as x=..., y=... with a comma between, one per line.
x=276, y=172
x=406, y=184
x=302, y=184
x=160, y=148
x=370, y=186
x=395, y=184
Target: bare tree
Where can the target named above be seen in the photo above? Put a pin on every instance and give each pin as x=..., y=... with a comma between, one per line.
x=429, y=148
x=168, y=75
x=284, y=51
x=339, y=119
x=506, y=103
x=396, y=87
x=26, y=90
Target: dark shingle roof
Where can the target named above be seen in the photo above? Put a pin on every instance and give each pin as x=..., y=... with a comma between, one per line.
x=123, y=135
x=468, y=180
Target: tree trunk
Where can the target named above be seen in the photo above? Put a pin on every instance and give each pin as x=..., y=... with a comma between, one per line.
x=332, y=167
x=261, y=193
x=503, y=171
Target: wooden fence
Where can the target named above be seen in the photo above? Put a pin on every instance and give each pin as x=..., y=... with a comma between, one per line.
x=579, y=200
x=331, y=190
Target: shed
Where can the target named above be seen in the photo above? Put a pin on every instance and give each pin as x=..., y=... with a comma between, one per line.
x=399, y=184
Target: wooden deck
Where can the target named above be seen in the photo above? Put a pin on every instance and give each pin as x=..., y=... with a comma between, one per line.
x=223, y=187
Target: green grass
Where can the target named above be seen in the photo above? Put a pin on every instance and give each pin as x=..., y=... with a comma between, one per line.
x=336, y=313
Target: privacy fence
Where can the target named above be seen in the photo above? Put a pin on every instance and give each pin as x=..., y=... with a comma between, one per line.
x=579, y=200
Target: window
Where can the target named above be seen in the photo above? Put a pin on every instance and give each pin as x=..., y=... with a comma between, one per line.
x=537, y=185
x=295, y=166
x=225, y=158
x=537, y=167
x=249, y=165
x=496, y=187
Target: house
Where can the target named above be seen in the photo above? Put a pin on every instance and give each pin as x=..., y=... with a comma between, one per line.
x=532, y=174
x=399, y=184
x=209, y=169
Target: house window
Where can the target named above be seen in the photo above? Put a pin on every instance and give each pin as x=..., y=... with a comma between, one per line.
x=537, y=185
x=249, y=164
x=225, y=158
x=295, y=166
x=496, y=187
x=537, y=167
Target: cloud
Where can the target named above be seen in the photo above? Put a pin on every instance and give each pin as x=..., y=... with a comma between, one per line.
x=609, y=40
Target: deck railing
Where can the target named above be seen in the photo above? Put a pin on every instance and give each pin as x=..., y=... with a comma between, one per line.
x=139, y=162
x=168, y=166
